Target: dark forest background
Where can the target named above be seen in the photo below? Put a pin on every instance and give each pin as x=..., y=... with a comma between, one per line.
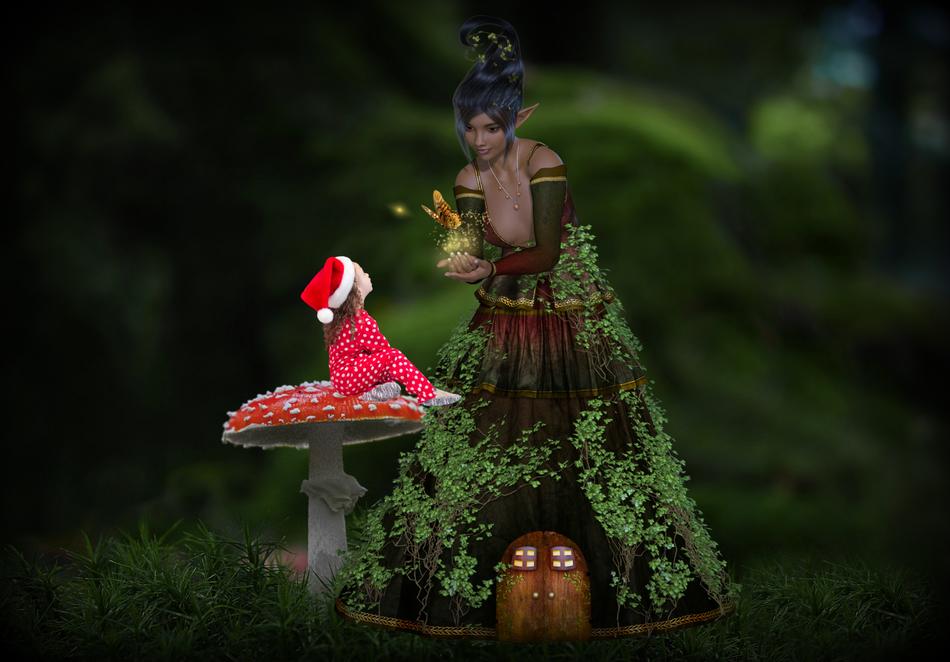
x=765, y=184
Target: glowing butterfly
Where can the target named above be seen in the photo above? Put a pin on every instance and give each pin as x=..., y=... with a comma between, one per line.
x=443, y=215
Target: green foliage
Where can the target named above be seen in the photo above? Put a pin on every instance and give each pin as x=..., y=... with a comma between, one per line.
x=609, y=109
x=203, y=595
x=576, y=275
x=791, y=127
x=623, y=488
x=143, y=596
x=775, y=267
x=638, y=495
x=438, y=527
x=640, y=499
x=699, y=222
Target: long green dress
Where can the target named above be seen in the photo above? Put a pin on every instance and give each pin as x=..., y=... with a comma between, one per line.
x=558, y=431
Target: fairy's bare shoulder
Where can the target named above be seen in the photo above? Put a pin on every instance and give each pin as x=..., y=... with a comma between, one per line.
x=542, y=157
x=539, y=156
x=466, y=177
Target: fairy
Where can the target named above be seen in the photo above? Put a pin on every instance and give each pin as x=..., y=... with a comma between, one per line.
x=549, y=504
x=361, y=359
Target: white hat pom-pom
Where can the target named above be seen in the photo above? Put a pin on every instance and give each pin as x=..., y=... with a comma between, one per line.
x=325, y=315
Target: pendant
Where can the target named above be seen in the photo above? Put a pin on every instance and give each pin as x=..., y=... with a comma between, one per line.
x=516, y=205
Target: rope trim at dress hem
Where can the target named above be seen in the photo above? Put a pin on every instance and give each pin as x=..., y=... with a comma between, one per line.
x=479, y=632
x=601, y=390
x=663, y=626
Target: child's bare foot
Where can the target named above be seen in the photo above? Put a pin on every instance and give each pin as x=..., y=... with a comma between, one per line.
x=385, y=391
x=441, y=399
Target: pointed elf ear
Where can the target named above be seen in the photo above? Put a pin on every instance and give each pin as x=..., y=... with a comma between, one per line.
x=524, y=114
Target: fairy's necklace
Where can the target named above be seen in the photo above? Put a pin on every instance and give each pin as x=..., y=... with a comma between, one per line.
x=481, y=187
x=517, y=175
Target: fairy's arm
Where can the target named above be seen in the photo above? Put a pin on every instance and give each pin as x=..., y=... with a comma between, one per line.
x=470, y=205
x=548, y=192
x=466, y=243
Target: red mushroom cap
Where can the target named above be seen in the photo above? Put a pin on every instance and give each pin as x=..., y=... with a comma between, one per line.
x=296, y=415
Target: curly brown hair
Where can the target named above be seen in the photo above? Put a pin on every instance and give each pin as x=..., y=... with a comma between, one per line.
x=346, y=313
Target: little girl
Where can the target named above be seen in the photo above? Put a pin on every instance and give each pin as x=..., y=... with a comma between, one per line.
x=361, y=359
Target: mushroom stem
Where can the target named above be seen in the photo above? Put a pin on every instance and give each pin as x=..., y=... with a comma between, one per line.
x=332, y=494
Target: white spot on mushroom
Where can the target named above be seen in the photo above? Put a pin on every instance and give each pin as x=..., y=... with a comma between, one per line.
x=247, y=418
x=295, y=410
x=395, y=405
x=268, y=414
x=372, y=407
x=310, y=418
x=329, y=408
x=357, y=406
x=337, y=394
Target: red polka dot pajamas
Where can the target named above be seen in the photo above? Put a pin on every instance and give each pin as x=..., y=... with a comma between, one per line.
x=360, y=363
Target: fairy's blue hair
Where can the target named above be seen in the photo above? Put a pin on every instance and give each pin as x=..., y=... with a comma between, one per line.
x=495, y=83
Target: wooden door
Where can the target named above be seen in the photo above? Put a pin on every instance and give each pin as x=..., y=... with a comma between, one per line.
x=544, y=594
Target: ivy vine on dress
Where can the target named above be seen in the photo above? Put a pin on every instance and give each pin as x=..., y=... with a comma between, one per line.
x=638, y=496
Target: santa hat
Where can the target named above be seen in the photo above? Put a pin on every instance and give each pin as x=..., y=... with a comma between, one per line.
x=330, y=287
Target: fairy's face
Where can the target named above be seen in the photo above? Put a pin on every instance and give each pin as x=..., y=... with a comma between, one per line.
x=485, y=136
